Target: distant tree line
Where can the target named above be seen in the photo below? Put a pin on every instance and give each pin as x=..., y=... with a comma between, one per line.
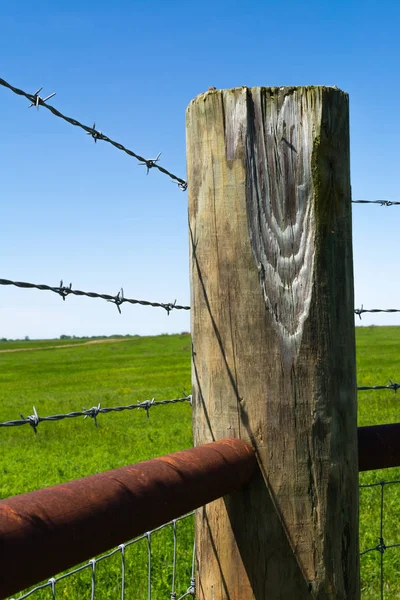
x=97, y=337
x=74, y=337
x=87, y=337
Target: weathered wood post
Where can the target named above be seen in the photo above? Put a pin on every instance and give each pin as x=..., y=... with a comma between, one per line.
x=273, y=339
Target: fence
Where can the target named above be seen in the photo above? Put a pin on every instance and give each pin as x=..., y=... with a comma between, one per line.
x=92, y=567
x=380, y=539
x=131, y=501
x=273, y=355
x=70, y=517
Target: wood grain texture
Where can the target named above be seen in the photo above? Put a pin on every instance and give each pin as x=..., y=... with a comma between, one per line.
x=273, y=338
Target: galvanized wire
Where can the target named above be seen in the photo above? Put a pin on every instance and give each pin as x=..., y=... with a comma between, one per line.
x=118, y=299
x=151, y=163
x=173, y=592
x=91, y=564
x=122, y=548
x=191, y=591
x=148, y=535
x=381, y=546
x=35, y=419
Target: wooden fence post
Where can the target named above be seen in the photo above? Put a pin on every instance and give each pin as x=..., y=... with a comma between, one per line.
x=273, y=339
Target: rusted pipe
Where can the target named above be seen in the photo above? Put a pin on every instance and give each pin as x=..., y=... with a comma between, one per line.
x=378, y=447
x=50, y=530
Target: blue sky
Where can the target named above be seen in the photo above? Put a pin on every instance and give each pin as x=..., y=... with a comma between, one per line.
x=89, y=215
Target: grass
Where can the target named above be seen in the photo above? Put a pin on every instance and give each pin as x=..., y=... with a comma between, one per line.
x=112, y=373
x=136, y=369
x=378, y=360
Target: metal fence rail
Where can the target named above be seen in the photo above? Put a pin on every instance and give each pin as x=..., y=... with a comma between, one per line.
x=121, y=551
x=55, y=528
x=378, y=447
x=175, y=594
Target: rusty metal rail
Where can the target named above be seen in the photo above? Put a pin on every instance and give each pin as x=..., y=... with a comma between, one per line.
x=53, y=529
x=378, y=447
x=88, y=516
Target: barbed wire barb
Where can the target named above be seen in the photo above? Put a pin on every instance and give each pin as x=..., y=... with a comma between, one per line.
x=148, y=405
x=362, y=310
x=36, y=100
x=33, y=420
x=359, y=312
x=118, y=300
x=150, y=162
x=169, y=307
x=92, y=412
x=96, y=135
x=64, y=291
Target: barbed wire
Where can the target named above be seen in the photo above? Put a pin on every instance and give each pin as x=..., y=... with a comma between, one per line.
x=381, y=202
x=92, y=564
x=391, y=386
x=381, y=546
x=149, y=163
x=118, y=299
x=362, y=310
x=35, y=419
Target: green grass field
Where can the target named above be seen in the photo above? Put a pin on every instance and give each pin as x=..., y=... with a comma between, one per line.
x=123, y=372
x=378, y=360
x=112, y=373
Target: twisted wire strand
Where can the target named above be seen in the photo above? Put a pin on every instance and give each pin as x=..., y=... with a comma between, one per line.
x=381, y=202
x=35, y=419
x=391, y=386
x=362, y=310
x=118, y=299
x=97, y=135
